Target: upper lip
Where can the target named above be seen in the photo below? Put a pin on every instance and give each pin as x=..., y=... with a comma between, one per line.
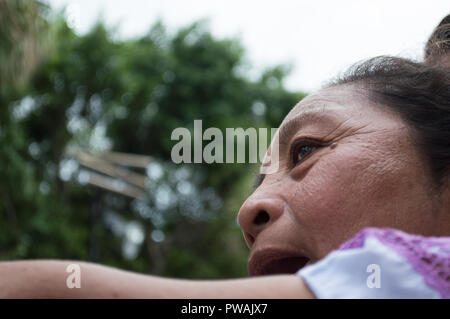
x=271, y=261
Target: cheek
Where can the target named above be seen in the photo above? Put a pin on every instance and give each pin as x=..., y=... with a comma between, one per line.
x=346, y=190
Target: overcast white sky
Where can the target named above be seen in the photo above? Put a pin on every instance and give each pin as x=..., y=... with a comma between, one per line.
x=318, y=37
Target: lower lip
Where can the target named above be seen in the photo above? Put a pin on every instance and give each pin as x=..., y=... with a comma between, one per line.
x=288, y=265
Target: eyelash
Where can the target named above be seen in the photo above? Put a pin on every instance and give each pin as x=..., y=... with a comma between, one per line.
x=297, y=145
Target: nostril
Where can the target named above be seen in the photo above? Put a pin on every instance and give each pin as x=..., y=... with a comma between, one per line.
x=262, y=218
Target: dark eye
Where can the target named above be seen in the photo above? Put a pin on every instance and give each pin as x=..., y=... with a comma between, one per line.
x=301, y=150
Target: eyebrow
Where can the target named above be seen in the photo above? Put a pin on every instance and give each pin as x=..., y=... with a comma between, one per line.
x=316, y=115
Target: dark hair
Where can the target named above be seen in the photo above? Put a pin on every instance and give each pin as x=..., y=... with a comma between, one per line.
x=418, y=91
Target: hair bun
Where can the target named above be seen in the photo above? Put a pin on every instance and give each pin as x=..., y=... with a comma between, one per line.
x=438, y=45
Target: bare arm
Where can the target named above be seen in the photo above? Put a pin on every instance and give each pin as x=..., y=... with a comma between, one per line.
x=47, y=279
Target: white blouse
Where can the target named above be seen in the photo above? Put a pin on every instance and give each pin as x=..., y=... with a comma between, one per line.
x=383, y=263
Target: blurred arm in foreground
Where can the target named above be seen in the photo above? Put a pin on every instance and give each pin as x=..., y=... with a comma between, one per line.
x=48, y=279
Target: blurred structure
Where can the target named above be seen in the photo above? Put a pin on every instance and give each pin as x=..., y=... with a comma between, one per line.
x=111, y=171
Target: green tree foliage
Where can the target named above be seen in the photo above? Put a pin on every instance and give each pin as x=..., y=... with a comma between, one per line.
x=95, y=93
x=21, y=30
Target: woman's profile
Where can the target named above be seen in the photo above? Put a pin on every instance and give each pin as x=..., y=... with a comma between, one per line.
x=362, y=188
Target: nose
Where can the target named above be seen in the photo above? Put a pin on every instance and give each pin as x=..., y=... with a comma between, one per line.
x=257, y=214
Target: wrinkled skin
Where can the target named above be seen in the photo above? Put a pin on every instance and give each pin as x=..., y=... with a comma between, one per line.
x=369, y=173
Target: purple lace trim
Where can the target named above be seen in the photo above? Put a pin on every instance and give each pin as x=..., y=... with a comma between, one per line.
x=429, y=256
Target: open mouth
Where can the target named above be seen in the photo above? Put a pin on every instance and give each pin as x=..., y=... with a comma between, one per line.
x=273, y=262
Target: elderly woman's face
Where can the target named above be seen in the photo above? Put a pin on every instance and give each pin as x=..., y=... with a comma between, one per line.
x=344, y=164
